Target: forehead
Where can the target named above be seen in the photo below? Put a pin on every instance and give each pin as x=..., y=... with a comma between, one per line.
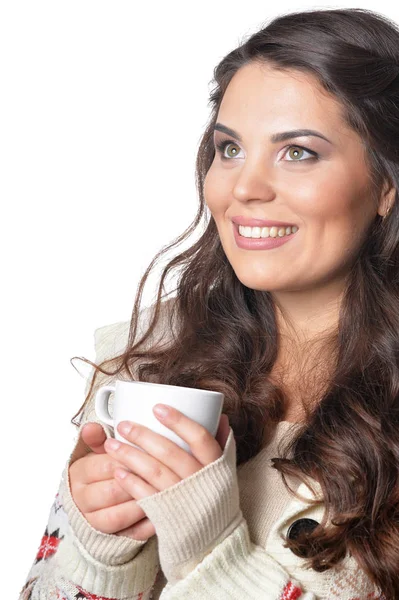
x=259, y=94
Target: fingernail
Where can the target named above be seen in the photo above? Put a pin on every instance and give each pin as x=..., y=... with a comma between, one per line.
x=161, y=410
x=125, y=427
x=120, y=473
x=113, y=444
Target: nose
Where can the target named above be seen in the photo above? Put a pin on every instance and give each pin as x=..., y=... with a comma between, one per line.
x=254, y=182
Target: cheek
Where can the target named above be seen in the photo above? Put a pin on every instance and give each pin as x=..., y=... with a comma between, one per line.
x=215, y=192
x=337, y=217
x=332, y=199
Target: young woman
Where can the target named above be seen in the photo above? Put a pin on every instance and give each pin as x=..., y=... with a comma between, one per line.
x=288, y=303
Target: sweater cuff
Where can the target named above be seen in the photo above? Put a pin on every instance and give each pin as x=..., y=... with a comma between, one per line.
x=105, y=548
x=196, y=514
x=133, y=579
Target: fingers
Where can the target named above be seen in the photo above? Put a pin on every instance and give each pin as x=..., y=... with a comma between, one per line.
x=164, y=463
x=203, y=445
x=94, y=467
x=115, y=518
x=101, y=494
x=136, y=487
x=90, y=433
x=94, y=437
x=160, y=474
x=141, y=531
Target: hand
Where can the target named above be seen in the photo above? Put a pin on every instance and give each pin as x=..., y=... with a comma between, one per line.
x=99, y=497
x=166, y=463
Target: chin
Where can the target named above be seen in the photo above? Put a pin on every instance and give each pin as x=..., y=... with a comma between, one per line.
x=261, y=284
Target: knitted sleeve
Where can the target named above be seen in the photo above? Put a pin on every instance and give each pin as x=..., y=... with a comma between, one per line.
x=74, y=560
x=203, y=540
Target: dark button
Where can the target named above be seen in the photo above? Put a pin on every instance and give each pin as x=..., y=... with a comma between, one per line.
x=306, y=525
x=297, y=527
x=304, y=550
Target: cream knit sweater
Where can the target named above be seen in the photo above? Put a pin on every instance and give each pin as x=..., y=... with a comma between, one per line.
x=219, y=534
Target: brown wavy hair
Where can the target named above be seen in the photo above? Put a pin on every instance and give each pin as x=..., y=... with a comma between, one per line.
x=226, y=335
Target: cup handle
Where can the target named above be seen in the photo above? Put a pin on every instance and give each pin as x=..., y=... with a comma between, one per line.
x=101, y=404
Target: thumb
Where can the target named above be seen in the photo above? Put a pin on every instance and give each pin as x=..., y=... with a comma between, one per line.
x=93, y=435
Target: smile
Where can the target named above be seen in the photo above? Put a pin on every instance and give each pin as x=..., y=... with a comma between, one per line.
x=265, y=232
x=272, y=237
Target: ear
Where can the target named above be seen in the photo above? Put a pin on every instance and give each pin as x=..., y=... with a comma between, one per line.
x=387, y=198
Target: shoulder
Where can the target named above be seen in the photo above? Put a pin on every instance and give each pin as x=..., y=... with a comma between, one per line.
x=111, y=339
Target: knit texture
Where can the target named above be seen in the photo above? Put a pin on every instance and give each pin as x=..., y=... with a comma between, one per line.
x=220, y=534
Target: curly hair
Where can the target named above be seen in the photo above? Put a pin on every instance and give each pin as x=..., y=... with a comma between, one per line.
x=226, y=336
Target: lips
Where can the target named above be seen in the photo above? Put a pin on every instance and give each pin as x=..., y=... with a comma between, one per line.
x=252, y=222
x=265, y=243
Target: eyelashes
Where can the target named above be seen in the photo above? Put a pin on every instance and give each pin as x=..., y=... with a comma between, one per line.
x=221, y=147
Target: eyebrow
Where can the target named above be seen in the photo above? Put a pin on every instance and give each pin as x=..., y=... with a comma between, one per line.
x=276, y=137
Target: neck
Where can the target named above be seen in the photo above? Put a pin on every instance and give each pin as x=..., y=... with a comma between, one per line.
x=307, y=323
x=304, y=315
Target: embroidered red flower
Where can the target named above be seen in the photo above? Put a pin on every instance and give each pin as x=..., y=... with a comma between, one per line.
x=291, y=592
x=48, y=545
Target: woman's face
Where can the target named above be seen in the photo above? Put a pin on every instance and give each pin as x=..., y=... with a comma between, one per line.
x=327, y=196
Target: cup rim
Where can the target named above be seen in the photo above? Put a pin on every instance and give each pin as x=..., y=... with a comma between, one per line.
x=163, y=385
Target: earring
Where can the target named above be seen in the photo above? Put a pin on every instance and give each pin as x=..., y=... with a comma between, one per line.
x=386, y=214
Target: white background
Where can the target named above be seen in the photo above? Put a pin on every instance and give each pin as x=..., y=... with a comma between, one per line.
x=102, y=108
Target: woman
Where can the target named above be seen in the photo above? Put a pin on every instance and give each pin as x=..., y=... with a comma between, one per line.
x=299, y=330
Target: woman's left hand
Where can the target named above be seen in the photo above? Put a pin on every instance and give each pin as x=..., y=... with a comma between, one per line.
x=166, y=463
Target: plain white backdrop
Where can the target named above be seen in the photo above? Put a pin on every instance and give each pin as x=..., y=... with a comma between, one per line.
x=102, y=108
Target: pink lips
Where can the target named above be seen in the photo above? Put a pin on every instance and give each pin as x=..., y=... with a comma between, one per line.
x=260, y=243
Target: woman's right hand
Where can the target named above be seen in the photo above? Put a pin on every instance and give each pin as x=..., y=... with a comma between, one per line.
x=99, y=497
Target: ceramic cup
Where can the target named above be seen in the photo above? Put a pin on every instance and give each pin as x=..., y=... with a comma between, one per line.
x=134, y=401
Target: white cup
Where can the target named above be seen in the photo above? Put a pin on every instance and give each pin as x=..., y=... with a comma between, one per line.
x=134, y=401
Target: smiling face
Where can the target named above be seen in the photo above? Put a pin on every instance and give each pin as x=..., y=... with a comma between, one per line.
x=321, y=186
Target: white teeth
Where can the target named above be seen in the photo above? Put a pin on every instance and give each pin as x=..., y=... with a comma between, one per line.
x=264, y=232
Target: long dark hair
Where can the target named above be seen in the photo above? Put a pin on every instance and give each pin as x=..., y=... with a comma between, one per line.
x=226, y=336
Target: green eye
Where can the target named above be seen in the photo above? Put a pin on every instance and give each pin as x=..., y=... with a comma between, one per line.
x=228, y=149
x=296, y=152
x=222, y=148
